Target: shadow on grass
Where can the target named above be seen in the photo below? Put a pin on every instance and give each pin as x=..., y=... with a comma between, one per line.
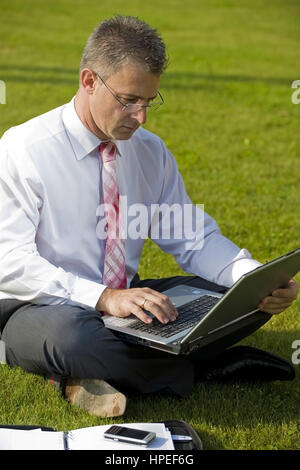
x=227, y=405
x=170, y=80
x=218, y=412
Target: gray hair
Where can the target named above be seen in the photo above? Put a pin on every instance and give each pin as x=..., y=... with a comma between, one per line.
x=119, y=39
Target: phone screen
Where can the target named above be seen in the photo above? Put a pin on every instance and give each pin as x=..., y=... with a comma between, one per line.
x=132, y=435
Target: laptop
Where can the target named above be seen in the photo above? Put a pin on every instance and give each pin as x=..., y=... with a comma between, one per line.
x=209, y=319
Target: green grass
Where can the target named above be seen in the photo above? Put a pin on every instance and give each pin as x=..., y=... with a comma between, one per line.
x=229, y=120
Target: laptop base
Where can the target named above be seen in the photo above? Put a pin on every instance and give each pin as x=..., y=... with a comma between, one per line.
x=210, y=346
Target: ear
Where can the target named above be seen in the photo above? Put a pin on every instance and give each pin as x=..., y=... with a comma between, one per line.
x=88, y=80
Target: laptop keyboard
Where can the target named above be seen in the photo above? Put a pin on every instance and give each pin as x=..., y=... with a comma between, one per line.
x=189, y=315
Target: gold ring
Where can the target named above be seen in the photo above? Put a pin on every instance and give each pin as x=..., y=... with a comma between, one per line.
x=143, y=304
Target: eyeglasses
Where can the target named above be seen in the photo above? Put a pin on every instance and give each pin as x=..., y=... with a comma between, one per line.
x=133, y=107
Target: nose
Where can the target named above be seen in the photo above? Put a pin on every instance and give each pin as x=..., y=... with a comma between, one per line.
x=140, y=115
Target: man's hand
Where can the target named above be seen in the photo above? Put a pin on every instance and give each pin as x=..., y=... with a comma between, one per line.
x=280, y=299
x=124, y=302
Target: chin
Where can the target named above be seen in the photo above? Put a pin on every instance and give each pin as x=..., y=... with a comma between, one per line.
x=124, y=134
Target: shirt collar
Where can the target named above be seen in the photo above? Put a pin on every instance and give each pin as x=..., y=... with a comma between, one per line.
x=82, y=139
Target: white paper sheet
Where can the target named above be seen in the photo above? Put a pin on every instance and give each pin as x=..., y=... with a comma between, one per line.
x=90, y=438
x=17, y=439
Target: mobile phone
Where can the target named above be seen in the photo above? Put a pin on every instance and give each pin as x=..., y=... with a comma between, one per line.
x=129, y=435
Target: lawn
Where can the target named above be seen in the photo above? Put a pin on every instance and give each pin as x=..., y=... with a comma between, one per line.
x=230, y=122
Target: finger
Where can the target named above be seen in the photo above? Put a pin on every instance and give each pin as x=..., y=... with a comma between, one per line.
x=289, y=291
x=269, y=307
x=146, y=299
x=273, y=311
x=139, y=313
x=151, y=305
x=272, y=302
x=161, y=299
x=294, y=284
x=277, y=300
x=164, y=313
x=158, y=312
x=161, y=306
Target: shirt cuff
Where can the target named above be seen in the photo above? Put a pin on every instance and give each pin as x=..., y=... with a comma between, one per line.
x=231, y=274
x=86, y=292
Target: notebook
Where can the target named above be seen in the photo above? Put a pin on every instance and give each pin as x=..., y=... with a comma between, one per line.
x=218, y=318
x=90, y=438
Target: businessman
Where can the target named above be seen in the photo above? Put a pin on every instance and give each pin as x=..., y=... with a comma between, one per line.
x=66, y=258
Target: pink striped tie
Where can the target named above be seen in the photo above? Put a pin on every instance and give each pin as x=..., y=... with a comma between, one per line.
x=114, y=274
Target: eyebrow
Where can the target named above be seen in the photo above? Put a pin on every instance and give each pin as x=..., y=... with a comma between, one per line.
x=128, y=95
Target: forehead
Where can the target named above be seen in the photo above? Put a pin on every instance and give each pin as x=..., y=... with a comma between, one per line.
x=134, y=79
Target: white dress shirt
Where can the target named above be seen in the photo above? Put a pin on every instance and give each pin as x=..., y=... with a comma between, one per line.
x=50, y=191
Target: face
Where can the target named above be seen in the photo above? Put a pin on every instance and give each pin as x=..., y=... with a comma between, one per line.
x=104, y=115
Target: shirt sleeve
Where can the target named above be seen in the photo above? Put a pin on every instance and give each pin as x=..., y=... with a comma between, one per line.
x=194, y=238
x=24, y=274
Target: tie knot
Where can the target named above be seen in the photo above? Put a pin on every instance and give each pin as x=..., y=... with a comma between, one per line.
x=108, y=151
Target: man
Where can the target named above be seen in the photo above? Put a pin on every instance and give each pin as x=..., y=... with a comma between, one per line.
x=58, y=271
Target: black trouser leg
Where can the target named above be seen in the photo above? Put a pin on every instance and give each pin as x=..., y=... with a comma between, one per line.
x=65, y=340
x=72, y=341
